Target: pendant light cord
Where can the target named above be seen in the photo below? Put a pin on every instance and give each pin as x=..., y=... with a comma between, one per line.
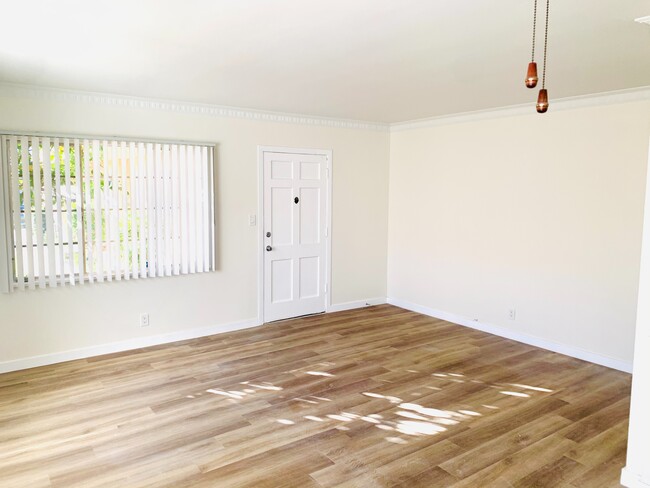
x=532, y=58
x=545, y=45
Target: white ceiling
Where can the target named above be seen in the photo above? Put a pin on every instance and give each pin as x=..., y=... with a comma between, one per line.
x=374, y=60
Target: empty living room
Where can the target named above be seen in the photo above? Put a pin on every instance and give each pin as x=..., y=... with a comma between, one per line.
x=311, y=244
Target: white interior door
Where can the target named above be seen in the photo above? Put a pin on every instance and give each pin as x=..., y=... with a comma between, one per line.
x=295, y=227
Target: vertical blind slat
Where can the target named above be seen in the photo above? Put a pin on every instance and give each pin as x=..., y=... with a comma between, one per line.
x=133, y=215
x=60, y=264
x=160, y=219
x=121, y=242
x=79, y=212
x=97, y=194
x=88, y=206
x=50, y=274
x=69, y=223
x=124, y=215
x=175, y=211
x=38, y=202
x=199, y=209
x=27, y=164
x=108, y=207
x=141, y=209
x=114, y=211
x=205, y=199
x=18, y=228
x=191, y=183
x=212, y=224
x=167, y=204
x=184, y=217
x=151, y=211
x=112, y=178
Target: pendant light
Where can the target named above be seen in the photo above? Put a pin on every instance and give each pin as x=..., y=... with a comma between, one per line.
x=542, y=98
x=531, y=74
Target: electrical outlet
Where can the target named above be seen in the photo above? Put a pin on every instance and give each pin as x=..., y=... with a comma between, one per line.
x=512, y=313
x=144, y=320
x=252, y=220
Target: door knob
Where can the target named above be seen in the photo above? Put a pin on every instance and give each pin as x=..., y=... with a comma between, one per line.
x=269, y=248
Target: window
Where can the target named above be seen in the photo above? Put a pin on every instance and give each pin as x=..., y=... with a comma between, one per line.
x=92, y=210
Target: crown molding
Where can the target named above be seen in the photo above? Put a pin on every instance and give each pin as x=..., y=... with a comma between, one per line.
x=142, y=103
x=63, y=95
x=596, y=99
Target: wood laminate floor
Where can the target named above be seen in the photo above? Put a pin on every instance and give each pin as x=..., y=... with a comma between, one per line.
x=377, y=397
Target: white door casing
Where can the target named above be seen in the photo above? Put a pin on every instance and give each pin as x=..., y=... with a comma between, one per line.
x=294, y=232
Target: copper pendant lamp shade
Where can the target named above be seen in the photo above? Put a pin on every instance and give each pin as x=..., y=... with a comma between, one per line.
x=531, y=75
x=542, y=101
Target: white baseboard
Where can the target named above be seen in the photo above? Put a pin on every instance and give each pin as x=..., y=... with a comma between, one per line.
x=340, y=307
x=531, y=340
x=632, y=480
x=136, y=343
x=139, y=342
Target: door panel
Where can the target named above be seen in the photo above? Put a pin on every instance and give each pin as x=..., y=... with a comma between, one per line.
x=282, y=170
x=281, y=216
x=295, y=188
x=309, y=216
x=309, y=276
x=309, y=170
x=282, y=280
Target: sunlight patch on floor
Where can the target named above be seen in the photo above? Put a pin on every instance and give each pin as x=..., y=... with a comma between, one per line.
x=411, y=415
x=396, y=440
x=391, y=399
x=471, y=413
x=413, y=427
x=528, y=387
x=225, y=393
x=267, y=386
x=339, y=417
x=285, y=421
x=516, y=394
x=320, y=373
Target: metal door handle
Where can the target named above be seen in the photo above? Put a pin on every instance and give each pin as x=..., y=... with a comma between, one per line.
x=269, y=248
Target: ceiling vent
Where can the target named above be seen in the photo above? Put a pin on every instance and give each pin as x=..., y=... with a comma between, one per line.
x=643, y=20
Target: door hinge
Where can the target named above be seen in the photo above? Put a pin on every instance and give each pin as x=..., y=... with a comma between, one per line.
x=327, y=231
x=327, y=172
x=325, y=287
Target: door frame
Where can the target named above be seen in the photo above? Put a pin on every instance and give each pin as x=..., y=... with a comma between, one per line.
x=261, y=150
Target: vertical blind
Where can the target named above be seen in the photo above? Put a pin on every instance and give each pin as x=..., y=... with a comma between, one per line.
x=94, y=210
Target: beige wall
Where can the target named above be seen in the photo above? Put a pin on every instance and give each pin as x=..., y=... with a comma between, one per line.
x=48, y=321
x=541, y=213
